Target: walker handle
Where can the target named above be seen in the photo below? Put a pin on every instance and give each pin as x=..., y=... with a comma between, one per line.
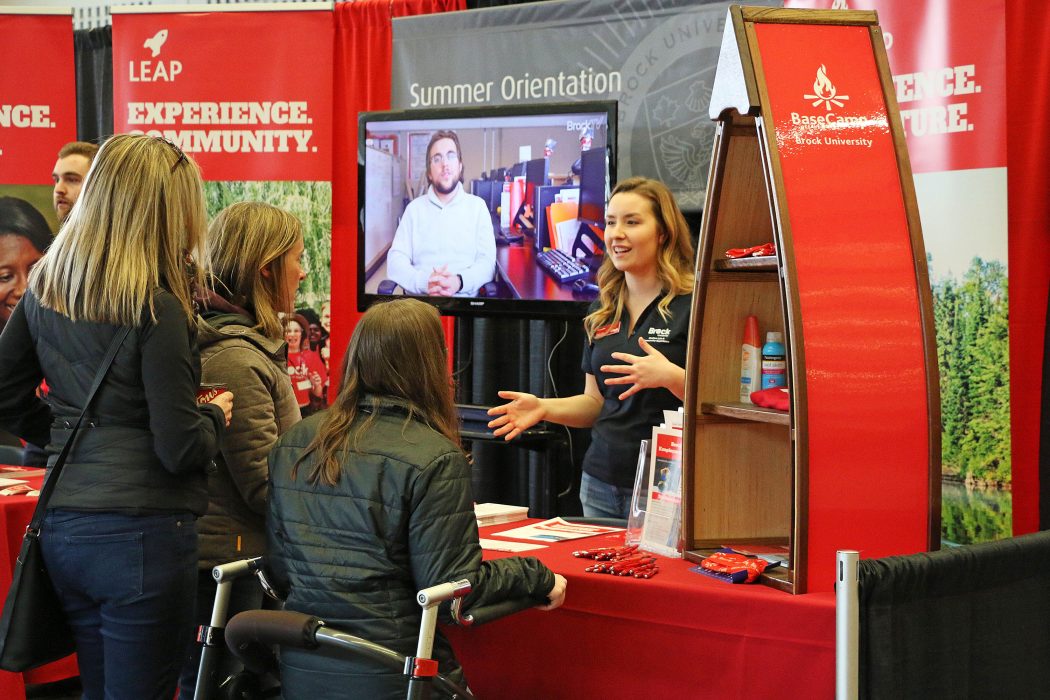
x=251, y=634
x=487, y=613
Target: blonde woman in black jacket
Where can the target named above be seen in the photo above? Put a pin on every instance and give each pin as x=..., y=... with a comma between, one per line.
x=370, y=501
x=119, y=538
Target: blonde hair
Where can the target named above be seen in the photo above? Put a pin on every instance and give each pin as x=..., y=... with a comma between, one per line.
x=674, y=259
x=397, y=350
x=138, y=221
x=242, y=240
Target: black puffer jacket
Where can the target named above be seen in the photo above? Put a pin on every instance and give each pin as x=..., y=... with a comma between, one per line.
x=400, y=519
x=145, y=444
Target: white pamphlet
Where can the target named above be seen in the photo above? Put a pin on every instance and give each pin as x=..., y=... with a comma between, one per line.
x=556, y=530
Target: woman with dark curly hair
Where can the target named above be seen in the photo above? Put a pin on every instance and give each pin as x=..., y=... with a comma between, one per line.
x=24, y=236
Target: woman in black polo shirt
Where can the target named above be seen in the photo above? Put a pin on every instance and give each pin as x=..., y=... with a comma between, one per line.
x=637, y=331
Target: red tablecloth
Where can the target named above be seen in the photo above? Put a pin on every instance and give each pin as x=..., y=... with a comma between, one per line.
x=677, y=635
x=15, y=514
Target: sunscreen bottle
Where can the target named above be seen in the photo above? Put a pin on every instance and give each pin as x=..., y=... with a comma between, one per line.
x=774, y=366
x=750, y=360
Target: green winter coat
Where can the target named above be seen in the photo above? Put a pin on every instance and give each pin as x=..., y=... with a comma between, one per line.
x=400, y=519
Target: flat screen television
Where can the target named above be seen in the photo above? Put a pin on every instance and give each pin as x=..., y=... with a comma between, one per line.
x=436, y=221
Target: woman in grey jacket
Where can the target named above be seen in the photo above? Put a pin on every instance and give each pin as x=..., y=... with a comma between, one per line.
x=254, y=253
x=370, y=501
x=119, y=538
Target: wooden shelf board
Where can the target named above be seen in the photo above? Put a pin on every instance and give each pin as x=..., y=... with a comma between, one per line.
x=764, y=264
x=745, y=411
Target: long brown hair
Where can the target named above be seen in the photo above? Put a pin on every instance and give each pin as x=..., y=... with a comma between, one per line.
x=243, y=239
x=674, y=260
x=396, y=351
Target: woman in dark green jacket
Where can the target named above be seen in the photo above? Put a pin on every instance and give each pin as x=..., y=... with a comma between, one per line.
x=370, y=501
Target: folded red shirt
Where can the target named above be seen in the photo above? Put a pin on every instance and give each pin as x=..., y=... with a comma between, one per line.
x=778, y=397
x=736, y=568
x=755, y=251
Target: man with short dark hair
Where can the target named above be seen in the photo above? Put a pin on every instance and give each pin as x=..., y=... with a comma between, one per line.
x=74, y=160
x=444, y=244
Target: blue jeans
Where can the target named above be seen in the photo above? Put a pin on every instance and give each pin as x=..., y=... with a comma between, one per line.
x=127, y=585
x=604, y=500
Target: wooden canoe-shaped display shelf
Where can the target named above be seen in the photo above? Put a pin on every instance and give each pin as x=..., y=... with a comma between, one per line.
x=809, y=154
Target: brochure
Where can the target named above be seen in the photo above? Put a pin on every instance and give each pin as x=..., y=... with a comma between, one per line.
x=556, y=530
x=496, y=513
x=500, y=546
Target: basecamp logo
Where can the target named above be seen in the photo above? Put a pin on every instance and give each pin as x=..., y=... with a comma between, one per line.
x=154, y=71
x=829, y=128
x=824, y=91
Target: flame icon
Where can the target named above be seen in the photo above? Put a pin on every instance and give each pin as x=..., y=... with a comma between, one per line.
x=822, y=86
x=824, y=91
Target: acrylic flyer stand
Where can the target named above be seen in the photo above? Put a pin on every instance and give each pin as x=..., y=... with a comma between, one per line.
x=636, y=514
x=809, y=154
x=662, y=527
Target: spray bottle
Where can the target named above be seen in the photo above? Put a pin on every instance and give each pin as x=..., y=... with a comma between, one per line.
x=750, y=360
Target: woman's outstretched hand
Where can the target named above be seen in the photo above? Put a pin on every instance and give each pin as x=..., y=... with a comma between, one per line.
x=523, y=412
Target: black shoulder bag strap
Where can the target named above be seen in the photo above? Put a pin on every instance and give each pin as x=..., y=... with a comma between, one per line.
x=52, y=476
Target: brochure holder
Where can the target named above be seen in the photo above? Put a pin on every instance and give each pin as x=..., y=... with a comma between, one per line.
x=662, y=524
x=636, y=515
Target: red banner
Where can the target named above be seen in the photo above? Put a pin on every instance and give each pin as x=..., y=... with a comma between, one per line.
x=38, y=112
x=949, y=75
x=248, y=94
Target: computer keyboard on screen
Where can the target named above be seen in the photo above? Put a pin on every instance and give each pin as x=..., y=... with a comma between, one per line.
x=561, y=267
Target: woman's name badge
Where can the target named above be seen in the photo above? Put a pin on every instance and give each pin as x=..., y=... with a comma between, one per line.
x=611, y=329
x=303, y=384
